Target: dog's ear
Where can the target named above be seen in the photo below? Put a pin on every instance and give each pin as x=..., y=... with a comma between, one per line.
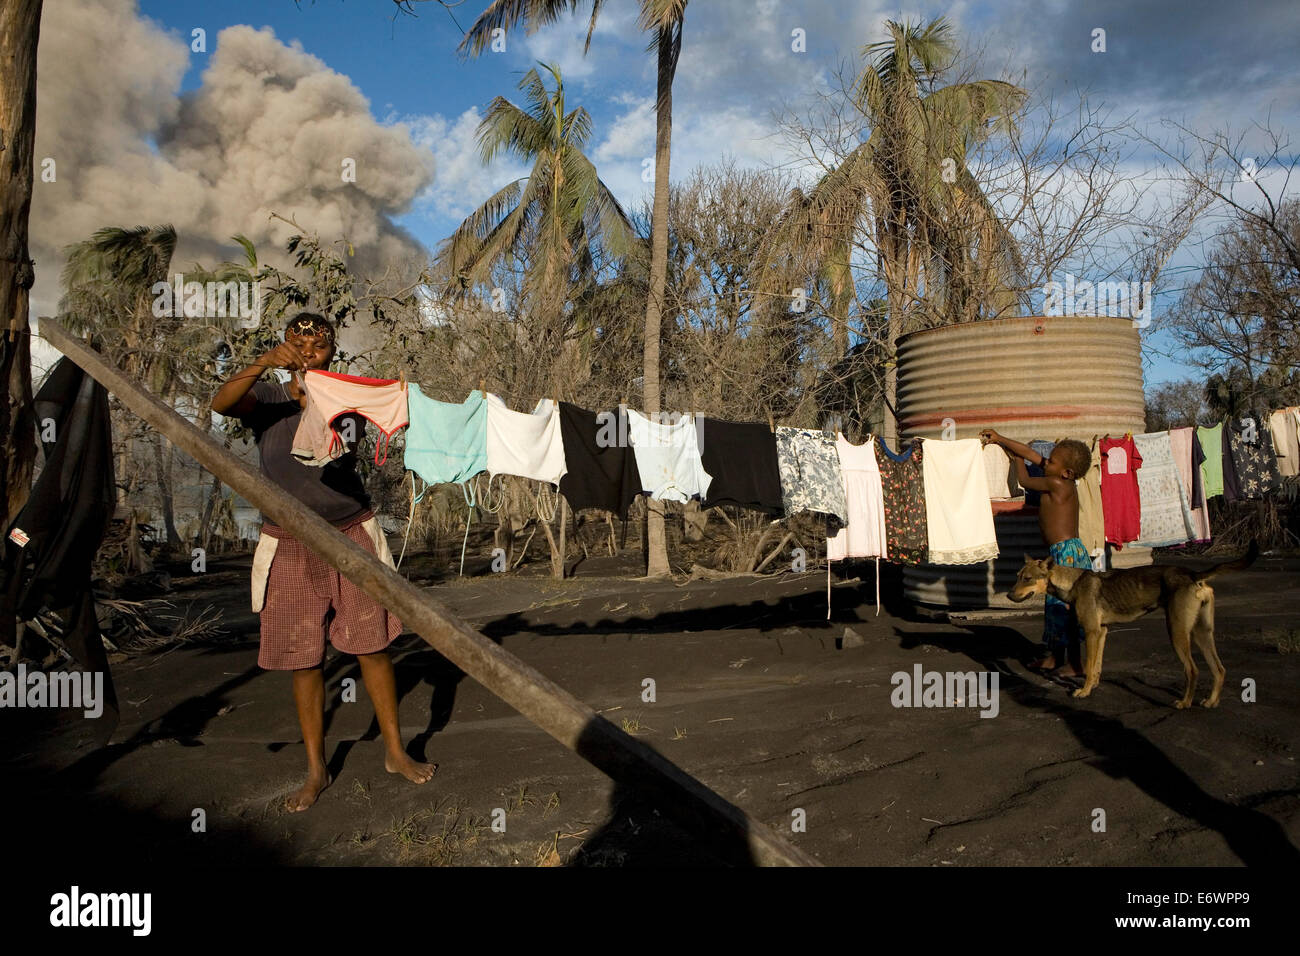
x=1049, y=563
x=1028, y=560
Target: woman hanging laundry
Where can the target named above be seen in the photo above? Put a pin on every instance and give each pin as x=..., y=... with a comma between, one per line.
x=300, y=598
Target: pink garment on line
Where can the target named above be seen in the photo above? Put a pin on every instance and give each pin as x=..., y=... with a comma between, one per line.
x=1180, y=440
x=382, y=401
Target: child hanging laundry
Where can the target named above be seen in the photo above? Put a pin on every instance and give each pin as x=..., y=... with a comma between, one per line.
x=301, y=599
x=330, y=394
x=1058, y=522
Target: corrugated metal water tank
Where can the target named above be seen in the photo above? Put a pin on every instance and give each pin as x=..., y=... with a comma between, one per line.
x=1028, y=377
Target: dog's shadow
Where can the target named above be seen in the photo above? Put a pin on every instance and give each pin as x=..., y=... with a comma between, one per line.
x=1125, y=752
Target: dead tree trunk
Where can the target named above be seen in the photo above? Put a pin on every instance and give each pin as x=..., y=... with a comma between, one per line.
x=20, y=28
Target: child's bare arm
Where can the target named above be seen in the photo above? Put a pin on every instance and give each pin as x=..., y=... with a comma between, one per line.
x=1027, y=480
x=1012, y=446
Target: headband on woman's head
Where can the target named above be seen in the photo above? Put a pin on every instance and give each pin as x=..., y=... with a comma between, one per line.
x=309, y=324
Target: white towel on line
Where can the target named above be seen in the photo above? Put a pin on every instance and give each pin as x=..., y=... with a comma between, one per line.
x=959, y=518
x=527, y=445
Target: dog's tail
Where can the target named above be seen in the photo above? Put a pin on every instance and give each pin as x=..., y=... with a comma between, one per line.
x=1239, y=565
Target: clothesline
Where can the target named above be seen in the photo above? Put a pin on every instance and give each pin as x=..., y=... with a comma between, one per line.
x=929, y=504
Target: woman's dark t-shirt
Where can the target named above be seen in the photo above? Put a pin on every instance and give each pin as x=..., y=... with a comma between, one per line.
x=334, y=491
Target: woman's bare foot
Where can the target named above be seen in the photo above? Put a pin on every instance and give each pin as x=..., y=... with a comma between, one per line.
x=412, y=770
x=317, y=780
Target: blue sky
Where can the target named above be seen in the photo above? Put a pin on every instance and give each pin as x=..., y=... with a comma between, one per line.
x=1202, y=64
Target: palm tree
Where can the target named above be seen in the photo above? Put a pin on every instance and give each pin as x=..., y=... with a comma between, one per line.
x=941, y=249
x=665, y=19
x=549, y=217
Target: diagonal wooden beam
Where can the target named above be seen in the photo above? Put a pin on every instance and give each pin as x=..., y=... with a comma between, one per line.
x=737, y=836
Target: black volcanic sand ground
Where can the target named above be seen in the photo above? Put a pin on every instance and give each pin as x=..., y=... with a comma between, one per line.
x=755, y=697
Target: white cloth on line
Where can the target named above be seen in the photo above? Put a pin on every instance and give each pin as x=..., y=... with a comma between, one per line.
x=959, y=518
x=1285, y=426
x=668, y=457
x=527, y=445
x=864, y=535
x=999, y=474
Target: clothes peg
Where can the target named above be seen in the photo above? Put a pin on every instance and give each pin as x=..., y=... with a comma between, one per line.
x=481, y=389
x=770, y=422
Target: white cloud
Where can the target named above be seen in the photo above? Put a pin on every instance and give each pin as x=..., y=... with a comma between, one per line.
x=461, y=182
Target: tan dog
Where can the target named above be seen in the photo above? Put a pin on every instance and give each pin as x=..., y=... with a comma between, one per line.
x=1102, y=598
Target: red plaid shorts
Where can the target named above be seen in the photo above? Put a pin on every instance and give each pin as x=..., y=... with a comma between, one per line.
x=307, y=601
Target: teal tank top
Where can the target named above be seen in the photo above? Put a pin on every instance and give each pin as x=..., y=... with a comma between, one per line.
x=445, y=441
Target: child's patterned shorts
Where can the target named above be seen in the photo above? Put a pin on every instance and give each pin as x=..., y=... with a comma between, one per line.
x=1060, y=624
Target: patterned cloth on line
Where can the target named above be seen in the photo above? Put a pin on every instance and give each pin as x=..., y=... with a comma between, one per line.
x=810, y=473
x=1166, y=518
x=1249, y=448
x=904, y=491
x=1061, y=625
x=303, y=600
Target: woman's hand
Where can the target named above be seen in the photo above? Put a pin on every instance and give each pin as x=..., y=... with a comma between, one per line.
x=989, y=435
x=284, y=356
